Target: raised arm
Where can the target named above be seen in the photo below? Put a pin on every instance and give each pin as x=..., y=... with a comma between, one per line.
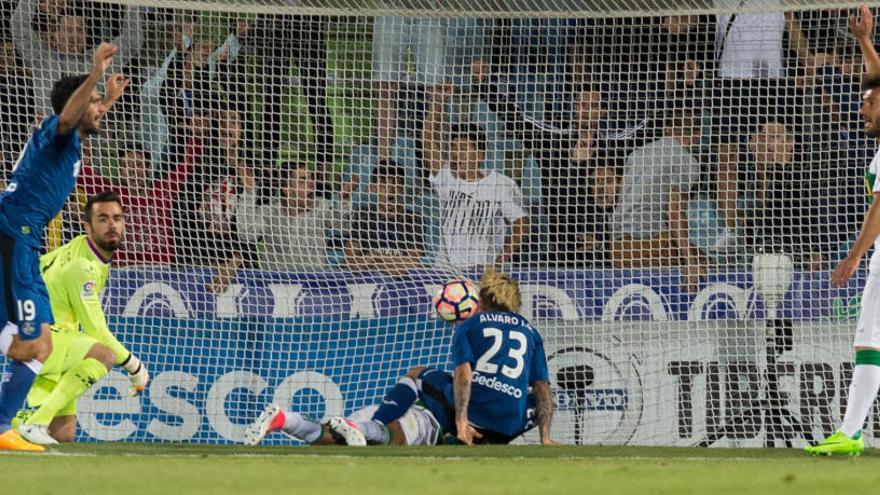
x=81, y=99
x=796, y=39
x=433, y=135
x=504, y=105
x=251, y=217
x=518, y=232
x=132, y=37
x=226, y=53
x=113, y=89
x=863, y=30
x=511, y=208
x=461, y=386
x=32, y=49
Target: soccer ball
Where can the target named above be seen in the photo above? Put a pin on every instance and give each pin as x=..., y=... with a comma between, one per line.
x=456, y=301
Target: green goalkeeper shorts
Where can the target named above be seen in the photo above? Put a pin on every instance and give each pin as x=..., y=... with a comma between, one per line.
x=67, y=351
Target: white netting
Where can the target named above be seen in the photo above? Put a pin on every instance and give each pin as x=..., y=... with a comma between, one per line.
x=291, y=207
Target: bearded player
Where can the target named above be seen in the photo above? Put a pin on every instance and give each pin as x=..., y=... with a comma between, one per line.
x=498, y=358
x=41, y=181
x=847, y=440
x=83, y=348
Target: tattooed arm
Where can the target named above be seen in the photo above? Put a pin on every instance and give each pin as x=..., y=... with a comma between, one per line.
x=461, y=387
x=543, y=410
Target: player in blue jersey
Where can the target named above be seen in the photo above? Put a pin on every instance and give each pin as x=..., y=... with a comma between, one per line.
x=498, y=356
x=41, y=181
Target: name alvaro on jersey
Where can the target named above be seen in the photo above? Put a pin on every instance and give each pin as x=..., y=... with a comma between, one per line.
x=505, y=318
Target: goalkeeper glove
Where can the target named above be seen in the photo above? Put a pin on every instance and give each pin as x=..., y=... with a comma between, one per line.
x=137, y=373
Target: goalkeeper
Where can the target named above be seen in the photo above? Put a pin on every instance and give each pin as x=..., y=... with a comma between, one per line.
x=83, y=348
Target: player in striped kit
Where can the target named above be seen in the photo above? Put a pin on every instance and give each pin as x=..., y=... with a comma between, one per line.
x=847, y=440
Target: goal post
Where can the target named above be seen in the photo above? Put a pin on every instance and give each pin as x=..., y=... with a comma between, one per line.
x=300, y=177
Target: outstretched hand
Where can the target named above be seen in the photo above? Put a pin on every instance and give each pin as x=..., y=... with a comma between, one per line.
x=863, y=27
x=114, y=88
x=104, y=56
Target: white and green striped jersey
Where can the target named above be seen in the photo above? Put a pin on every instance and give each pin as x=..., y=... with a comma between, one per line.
x=873, y=188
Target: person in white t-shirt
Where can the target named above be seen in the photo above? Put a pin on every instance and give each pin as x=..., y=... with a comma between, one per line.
x=749, y=45
x=847, y=440
x=750, y=84
x=478, y=207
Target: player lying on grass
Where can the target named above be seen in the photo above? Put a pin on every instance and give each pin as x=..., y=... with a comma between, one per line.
x=497, y=355
x=847, y=440
x=41, y=181
x=418, y=426
x=75, y=275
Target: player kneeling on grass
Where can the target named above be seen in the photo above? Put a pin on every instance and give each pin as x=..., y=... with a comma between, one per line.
x=497, y=356
x=75, y=275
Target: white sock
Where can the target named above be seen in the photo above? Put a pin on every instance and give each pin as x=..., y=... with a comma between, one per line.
x=35, y=366
x=6, y=334
x=374, y=431
x=862, y=392
x=297, y=426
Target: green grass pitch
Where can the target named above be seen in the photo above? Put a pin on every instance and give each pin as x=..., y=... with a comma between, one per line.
x=217, y=470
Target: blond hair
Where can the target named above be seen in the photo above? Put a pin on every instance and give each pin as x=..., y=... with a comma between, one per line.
x=499, y=292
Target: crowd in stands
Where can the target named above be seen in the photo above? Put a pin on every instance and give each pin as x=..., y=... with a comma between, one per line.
x=679, y=141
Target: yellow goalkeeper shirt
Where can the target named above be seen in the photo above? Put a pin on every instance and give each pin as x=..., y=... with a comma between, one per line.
x=75, y=275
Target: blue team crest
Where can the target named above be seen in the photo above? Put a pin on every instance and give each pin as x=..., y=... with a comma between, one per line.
x=27, y=329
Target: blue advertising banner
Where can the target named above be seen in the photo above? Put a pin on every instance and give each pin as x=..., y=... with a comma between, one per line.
x=328, y=344
x=569, y=295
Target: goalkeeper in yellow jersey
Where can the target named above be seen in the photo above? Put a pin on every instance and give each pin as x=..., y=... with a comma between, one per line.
x=83, y=348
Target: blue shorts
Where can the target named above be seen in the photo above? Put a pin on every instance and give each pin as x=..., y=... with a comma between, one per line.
x=24, y=299
x=435, y=391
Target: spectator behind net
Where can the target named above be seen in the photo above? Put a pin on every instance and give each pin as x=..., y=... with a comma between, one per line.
x=650, y=219
x=16, y=106
x=290, y=227
x=385, y=235
x=204, y=213
x=66, y=50
x=478, y=207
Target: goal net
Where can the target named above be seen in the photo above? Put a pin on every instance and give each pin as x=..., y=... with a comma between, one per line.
x=670, y=184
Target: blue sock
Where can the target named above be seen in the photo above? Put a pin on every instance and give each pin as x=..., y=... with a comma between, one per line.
x=397, y=401
x=14, y=392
